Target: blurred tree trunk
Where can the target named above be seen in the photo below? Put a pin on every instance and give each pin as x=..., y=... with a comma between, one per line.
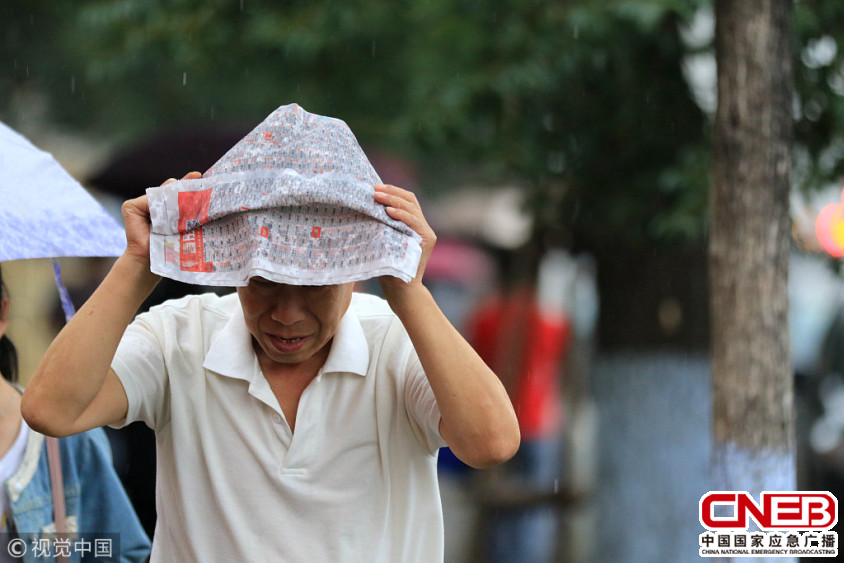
x=750, y=230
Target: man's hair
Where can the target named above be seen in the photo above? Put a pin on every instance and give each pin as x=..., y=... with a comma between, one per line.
x=8, y=352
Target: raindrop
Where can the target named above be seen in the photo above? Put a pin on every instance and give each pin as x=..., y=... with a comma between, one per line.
x=241, y=5
x=556, y=486
x=576, y=32
x=72, y=84
x=812, y=110
x=824, y=436
x=556, y=162
x=836, y=82
x=184, y=78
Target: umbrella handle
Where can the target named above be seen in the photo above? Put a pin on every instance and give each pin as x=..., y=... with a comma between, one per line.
x=64, y=295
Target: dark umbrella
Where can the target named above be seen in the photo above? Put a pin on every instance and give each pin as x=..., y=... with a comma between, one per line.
x=149, y=162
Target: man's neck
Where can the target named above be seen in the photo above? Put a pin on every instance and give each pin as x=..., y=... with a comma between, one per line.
x=288, y=381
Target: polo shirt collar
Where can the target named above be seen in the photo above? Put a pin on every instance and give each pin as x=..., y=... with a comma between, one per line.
x=350, y=350
x=231, y=354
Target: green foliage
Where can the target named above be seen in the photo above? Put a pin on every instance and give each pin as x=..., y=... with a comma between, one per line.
x=580, y=96
x=819, y=82
x=582, y=102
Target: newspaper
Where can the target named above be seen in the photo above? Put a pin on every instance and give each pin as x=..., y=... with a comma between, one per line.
x=292, y=202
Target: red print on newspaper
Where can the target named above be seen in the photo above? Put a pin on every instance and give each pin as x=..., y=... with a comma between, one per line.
x=193, y=213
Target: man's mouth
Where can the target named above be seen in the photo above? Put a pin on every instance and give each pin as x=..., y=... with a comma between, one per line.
x=288, y=345
x=296, y=339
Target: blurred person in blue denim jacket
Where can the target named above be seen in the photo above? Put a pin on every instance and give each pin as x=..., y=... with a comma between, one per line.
x=96, y=506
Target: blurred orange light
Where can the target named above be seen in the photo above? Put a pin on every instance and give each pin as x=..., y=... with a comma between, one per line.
x=829, y=228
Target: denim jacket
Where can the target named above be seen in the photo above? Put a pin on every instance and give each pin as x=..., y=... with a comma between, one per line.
x=96, y=504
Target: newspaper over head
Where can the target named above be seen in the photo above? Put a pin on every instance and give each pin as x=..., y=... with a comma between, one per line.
x=292, y=202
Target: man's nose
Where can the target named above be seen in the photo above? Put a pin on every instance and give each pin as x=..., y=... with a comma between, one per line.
x=289, y=306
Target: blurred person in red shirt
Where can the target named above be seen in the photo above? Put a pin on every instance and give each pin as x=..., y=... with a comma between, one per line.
x=524, y=340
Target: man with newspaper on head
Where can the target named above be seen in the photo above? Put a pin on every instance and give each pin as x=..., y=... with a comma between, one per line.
x=295, y=419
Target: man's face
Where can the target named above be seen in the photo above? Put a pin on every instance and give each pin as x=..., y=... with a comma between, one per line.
x=292, y=324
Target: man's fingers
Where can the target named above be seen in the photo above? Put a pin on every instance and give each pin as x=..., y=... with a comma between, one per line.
x=402, y=205
x=395, y=202
x=395, y=192
x=407, y=212
x=407, y=217
x=189, y=176
x=140, y=202
x=393, y=196
x=389, y=188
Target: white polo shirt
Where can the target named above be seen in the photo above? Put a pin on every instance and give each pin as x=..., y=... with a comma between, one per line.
x=356, y=482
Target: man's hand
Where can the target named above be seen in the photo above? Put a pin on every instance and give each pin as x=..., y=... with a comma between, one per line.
x=403, y=206
x=137, y=223
x=136, y=219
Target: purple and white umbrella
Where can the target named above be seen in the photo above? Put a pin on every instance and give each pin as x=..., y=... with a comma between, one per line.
x=45, y=212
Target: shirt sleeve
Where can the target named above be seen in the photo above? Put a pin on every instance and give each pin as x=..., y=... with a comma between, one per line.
x=140, y=365
x=422, y=405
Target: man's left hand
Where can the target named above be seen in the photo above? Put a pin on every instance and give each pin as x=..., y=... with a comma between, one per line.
x=403, y=206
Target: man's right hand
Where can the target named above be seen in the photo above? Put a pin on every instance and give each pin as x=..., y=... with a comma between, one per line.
x=136, y=219
x=137, y=223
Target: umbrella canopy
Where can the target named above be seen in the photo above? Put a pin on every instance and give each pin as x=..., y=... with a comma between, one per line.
x=495, y=216
x=44, y=211
x=150, y=161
